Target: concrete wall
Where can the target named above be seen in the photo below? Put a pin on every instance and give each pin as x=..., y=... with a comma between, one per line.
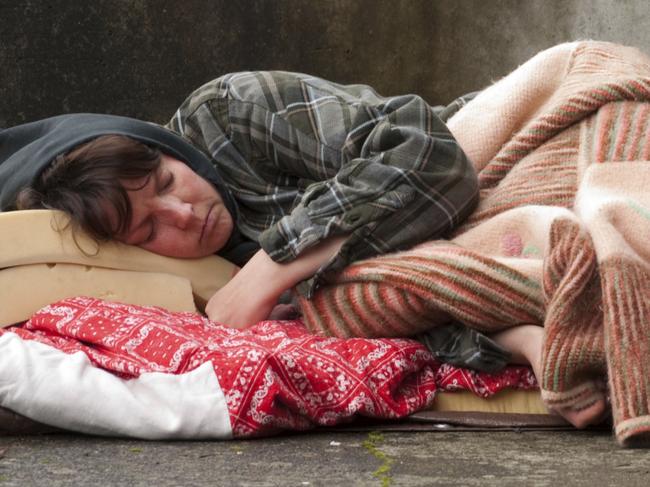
x=141, y=57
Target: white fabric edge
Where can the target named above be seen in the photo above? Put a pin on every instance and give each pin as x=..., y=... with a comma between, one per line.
x=67, y=391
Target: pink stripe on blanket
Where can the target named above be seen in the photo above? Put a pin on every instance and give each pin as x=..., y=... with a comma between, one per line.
x=274, y=375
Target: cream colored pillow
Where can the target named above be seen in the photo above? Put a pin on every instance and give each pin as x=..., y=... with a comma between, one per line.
x=40, y=262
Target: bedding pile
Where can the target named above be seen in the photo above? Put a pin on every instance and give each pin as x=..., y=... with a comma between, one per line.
x=99, y=367
x=561, y=237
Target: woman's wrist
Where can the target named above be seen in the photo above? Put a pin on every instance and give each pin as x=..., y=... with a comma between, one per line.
x=265, y=276
x=282, y=276
x=253, y=292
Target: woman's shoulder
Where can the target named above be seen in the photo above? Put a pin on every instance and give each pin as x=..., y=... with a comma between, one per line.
x=277, y=90
x=261, y=87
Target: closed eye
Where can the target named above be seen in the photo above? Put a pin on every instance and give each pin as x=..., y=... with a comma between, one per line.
x=151, y=236
x=168, y=183
x=165, y=184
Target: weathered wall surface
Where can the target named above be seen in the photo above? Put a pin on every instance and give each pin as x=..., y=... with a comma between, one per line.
x=141, y=57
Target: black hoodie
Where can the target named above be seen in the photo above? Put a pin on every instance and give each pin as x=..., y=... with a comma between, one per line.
x=27, y=150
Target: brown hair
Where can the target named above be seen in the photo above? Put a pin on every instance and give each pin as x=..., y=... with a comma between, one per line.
x=86, y=182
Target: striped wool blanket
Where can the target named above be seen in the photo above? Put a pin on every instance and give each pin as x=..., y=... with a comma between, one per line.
x=561, y=237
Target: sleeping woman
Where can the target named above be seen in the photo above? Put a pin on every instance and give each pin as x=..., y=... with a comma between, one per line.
x=287, y=175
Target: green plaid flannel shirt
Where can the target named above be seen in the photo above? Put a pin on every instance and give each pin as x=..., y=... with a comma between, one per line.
x=306, y=159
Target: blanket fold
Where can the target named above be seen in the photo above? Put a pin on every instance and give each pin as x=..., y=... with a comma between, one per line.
x=573, y=356
x=560, y=236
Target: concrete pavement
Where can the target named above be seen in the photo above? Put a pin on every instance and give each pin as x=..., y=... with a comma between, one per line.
x=329, y=459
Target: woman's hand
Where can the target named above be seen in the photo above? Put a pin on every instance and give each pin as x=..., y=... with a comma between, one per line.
x=252, y=294
x=249, y=297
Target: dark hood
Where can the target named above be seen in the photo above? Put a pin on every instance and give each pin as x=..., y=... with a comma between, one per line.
x=26, y=150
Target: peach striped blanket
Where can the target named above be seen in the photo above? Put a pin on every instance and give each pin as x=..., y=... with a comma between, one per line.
x=561, y=237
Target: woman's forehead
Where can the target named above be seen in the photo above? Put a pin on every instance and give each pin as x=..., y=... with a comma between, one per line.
x=143, y=182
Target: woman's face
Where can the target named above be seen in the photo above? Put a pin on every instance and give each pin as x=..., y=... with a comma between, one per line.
x=176, y=213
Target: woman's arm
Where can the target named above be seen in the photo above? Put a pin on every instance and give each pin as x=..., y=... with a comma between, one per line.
x=251, y=295
x=307, y=159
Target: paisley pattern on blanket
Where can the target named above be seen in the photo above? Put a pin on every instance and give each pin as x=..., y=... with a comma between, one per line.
x=275, y=375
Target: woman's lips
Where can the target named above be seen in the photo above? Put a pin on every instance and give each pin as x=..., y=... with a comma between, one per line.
x=207, y=223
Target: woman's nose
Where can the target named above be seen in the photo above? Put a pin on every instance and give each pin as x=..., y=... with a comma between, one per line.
x=176, y=212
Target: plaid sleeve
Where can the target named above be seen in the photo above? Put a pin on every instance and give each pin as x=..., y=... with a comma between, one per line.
x=307, y=159
x=447, y=111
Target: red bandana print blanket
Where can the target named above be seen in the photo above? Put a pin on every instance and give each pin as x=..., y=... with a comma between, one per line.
x=274, y=376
